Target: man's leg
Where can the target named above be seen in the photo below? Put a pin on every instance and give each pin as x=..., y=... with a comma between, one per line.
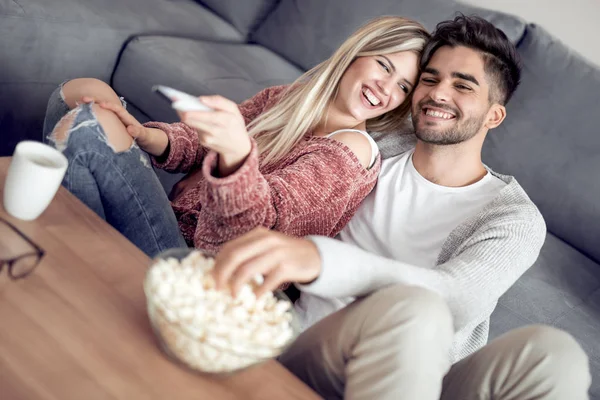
x=394, y=343
x=530, y=363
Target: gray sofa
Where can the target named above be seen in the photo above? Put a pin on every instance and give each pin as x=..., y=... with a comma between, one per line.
x=549, y=141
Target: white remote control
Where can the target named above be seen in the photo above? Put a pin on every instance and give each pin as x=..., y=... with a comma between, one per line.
x=181, y=101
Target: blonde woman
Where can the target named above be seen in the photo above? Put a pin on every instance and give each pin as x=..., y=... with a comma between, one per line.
x=295, y=159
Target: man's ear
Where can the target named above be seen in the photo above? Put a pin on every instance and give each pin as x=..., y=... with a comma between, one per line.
x=495, y=116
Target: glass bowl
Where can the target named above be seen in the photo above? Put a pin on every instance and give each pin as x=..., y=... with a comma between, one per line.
x=199, y=347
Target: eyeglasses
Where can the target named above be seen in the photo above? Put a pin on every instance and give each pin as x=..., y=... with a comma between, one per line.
x=23, y=265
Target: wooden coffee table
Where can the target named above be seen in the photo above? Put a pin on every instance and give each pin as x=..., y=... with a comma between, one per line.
x=77, y=327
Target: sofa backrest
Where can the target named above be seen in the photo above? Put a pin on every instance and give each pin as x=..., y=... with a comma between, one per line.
x=307, y=32
x=550, y=140
x=244, y=15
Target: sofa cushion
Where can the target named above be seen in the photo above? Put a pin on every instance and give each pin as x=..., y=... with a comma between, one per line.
x=72, y=38
x=236, y=71
x=308, y=32
x=176, y=17
x=44, y=42
x=561, y=289
x=561, y=280
x=550, y=141
x=244, y=15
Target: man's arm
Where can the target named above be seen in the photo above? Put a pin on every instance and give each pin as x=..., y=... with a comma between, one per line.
x=474, y=278
x=481, y=269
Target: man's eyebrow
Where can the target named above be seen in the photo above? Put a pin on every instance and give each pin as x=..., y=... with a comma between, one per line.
x=459, y=75
x=465, y=77
x=432, y=71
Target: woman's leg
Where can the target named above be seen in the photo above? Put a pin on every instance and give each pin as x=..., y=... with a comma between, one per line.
x=75, y=89
x=107, y=170
x=70, y=94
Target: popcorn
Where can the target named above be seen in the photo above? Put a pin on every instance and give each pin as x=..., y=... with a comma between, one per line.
x=210, y=330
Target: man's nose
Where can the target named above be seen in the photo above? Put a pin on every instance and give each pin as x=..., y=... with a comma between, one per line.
x=440, y=93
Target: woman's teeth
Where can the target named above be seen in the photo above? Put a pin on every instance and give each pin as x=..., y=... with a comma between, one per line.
x=438, y=114
x=371, y=98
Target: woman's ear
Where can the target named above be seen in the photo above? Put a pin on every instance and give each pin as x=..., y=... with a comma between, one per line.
x=495, y=116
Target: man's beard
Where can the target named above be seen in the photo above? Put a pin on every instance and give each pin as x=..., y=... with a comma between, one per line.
x=460, y=132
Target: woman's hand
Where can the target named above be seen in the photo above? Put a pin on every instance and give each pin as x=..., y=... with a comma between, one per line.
x=222, y=130
x=152, y=141
x=279, y=258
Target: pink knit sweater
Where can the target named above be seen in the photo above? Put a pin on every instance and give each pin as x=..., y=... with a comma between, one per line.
x=314, y=190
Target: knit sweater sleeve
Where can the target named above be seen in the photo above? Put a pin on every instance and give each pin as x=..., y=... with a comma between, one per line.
x=185, y=152
x=315, y=191
x=472, y=280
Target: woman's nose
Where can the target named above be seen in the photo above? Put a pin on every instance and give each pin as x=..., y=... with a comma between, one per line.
x=386, y=86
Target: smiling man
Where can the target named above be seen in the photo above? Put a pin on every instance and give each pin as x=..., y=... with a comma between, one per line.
x=400, y=306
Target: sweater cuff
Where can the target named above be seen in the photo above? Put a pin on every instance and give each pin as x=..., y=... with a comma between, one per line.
x=160, y=161
x=170, y=162
x=236, y=192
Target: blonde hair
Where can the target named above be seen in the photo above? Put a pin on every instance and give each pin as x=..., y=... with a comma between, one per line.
x=305, y=102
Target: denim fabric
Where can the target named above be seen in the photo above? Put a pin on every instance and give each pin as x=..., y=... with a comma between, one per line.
x=121, y=187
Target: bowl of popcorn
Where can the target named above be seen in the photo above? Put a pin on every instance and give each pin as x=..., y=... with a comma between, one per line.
x=209, y=330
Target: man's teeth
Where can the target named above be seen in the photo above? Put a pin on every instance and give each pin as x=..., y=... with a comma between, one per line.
x=438, y=114
x=371, y=97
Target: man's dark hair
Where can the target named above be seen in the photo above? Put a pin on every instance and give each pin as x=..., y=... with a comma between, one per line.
x=500, y=57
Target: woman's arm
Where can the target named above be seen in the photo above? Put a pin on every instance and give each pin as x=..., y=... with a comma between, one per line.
x=315, y=191
x=184, y=151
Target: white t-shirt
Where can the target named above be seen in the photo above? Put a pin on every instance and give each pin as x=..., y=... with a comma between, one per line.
x=406, y=218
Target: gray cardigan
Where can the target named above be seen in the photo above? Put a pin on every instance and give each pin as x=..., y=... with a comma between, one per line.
x=478, y=262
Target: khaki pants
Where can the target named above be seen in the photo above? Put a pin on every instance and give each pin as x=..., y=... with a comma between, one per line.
x=394, y=344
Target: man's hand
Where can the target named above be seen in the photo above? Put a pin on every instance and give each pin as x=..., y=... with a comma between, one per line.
x=222, y=130
x=152, y=141
x=279, y=258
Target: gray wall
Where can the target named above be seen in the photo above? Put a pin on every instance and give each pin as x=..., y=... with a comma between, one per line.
x=574, y=22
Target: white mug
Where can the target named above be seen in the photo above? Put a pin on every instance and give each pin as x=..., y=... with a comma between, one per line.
x=34, y=176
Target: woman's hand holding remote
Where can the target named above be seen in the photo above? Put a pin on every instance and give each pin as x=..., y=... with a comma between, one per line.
x=222, y=130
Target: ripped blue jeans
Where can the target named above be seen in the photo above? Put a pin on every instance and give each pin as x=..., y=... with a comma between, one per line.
x=121, y=187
